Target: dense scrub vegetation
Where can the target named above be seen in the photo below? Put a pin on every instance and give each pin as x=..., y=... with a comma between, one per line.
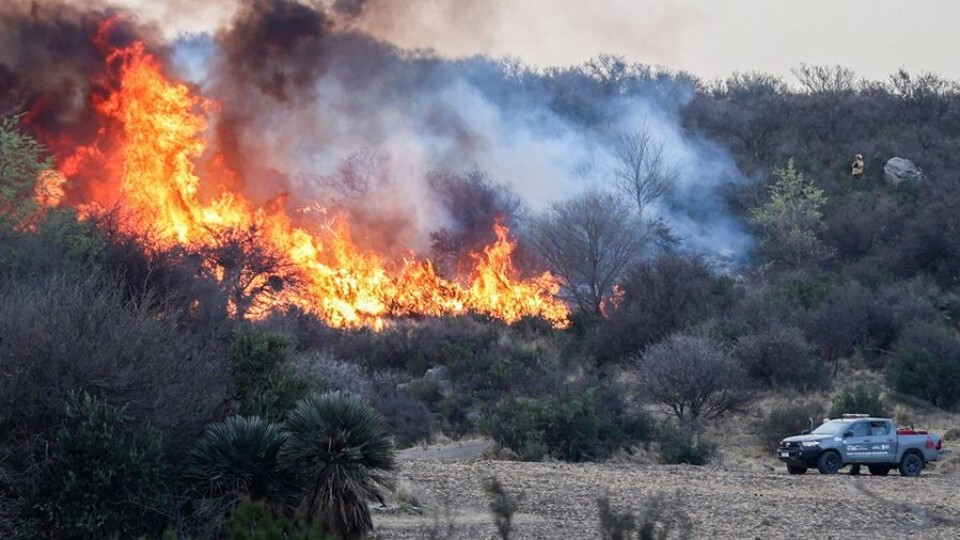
x=132, y=404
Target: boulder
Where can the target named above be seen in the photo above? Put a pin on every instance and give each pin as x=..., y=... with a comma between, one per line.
x=900, y=170
x=437, y=374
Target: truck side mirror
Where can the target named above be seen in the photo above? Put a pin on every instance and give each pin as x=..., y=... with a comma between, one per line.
x=848, y=434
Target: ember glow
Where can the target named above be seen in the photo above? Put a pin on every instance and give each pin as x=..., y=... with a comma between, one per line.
x=145, y=165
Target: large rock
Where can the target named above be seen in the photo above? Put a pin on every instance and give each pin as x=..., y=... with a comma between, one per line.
x=900, y=170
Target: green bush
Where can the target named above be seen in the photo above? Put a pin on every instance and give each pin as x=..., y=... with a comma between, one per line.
x=103, y=478
x=256, y=520
x=265, y=384
x=861, y=399
x=786, y=420
x=573, y=426
x=236, y=459
x=927, y=365
x=680, y=446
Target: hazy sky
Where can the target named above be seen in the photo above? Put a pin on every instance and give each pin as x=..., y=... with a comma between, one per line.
x=711, y=38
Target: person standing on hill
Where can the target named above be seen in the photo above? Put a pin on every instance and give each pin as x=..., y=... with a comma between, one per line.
x=856, y=170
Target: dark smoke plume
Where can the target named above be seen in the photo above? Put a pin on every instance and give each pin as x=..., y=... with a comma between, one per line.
x=333, y=118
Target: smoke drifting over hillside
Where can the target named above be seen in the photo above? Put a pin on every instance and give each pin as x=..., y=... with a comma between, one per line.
x=311, y=107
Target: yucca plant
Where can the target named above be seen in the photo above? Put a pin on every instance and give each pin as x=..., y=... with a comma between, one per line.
x=239, y=457
x=337, y=444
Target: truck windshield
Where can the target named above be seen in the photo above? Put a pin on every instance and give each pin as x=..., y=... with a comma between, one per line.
x=831, y=428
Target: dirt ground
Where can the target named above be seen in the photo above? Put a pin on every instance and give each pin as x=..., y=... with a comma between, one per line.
x=440, y=498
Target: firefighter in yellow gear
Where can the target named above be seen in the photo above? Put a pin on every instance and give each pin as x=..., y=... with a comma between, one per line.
x=856, y=170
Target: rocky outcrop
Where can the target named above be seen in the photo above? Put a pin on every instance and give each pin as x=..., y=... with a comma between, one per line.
x=899, y=170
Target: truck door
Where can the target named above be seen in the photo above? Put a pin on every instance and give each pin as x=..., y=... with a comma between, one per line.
x=858, y=443
x=884, y=437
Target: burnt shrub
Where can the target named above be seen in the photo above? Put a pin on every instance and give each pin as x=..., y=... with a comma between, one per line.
x=787, y=419
x=778, y=357
x=103, y=477
x=861, y=399
x=927, y=365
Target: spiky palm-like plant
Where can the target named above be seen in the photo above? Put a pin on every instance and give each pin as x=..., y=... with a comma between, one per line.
x=337, y=441
x=239, y=457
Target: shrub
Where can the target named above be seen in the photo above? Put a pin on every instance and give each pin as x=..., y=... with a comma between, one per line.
x=502, y=506
x=787, y=419
x=238, y=458
x=62, y=335
x=256, y=520
x=860, y=399
x=927, y=365
x=103, y=477
x=779, y=357
x=265, y=382
x=658, y=297
x=336, y=443
x=681, y=446
x=660, y=518
x=405, y=418
x=568, y=427
x=840, y=322
x=693, y=377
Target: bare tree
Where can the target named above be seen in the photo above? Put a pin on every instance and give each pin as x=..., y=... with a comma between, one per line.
x=825, y=79
x=246, y=265
x=588, y=241
x=693, y=377
x=642, y=171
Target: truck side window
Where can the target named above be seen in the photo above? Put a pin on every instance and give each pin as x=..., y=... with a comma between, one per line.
x=879, y=428
x=860, y=429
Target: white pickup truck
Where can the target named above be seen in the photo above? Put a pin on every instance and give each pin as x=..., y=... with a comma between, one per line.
x=859, y=439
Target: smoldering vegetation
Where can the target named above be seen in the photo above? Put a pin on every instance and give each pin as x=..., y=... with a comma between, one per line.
x=628, y=181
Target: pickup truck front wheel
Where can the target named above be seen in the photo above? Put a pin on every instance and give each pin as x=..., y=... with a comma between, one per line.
x=911, y=464
x=829, y=463
x=796, y=469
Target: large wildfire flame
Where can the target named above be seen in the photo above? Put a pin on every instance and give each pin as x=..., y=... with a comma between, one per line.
x=148, y=157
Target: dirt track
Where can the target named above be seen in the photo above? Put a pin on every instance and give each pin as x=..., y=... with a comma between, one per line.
x=560, y=500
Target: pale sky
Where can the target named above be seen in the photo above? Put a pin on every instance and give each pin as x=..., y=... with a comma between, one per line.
x=711, y=38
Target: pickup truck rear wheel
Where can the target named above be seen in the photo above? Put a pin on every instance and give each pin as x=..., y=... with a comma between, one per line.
x=829, y=462
x=796, y=469
x=911, y=464
x=879, y=470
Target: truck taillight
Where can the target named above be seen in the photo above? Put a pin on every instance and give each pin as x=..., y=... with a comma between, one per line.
x=930, y=443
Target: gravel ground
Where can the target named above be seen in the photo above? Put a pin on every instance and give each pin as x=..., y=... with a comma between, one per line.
x=560, y=501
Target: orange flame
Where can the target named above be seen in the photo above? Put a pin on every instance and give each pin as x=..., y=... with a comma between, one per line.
x=149, y=158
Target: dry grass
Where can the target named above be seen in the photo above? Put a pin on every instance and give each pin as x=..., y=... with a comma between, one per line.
x=744, y=493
